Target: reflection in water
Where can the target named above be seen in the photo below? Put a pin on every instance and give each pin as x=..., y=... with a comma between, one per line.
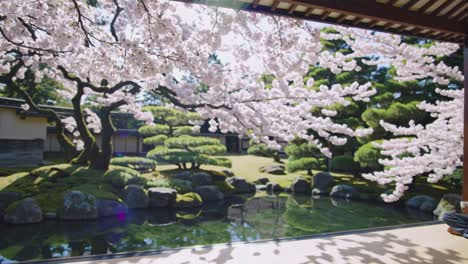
x=237, y=219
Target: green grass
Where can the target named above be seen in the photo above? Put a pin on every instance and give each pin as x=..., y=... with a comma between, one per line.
x=7, y=171
x=247, y=167
x=49, y=184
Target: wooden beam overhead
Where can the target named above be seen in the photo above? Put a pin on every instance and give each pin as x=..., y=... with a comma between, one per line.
x=357, y=20
x=292, y=8
x=308, y=11
x=461, y=6
x=373, y=23
x=324, y=15
x=427, y=5
x=275, y=5
x=388, y=26
x=341, y=18
x=442, y=7
x=401, y=28
x=436, y=34
x=464, y=17
x=392, y=2
x=409, y=4
x=388, y=15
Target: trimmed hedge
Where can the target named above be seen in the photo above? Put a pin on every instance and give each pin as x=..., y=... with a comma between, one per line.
x=136, y=163
x=180, y=186
x=455, y=179
x=307, y=164
x=345, y=164
x=120, y=177
x=368, y=156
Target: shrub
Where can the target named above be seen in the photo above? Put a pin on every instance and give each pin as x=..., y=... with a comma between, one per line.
x=455, y=179
x=180, y=186
x=302, y=156
x=307, y=164
x=136, y=163
x=368, y=156
x=176, y=142
x=344, y=164
x=122, y=176
x=261, y=149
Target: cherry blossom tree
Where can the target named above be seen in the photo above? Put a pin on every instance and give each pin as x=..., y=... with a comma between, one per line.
x=107, y=53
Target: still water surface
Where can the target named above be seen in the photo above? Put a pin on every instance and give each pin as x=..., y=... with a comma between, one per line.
x=236, y=219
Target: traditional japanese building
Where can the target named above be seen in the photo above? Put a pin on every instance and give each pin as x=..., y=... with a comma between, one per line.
x=26, y=135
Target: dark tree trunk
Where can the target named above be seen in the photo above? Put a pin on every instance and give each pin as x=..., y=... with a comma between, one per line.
x=103, y=160
x=276, y=158
x=309, y=172
x=91, y=149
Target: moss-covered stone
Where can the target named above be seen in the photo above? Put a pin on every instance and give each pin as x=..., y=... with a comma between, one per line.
x=188, y=215
x=135, y=196
x=188, y=200
x=225, y=187
x=120, y=177
x=48, y=184
x=78, y=205
x=26, y=211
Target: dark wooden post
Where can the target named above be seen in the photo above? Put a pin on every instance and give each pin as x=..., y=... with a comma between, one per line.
x=465, y=122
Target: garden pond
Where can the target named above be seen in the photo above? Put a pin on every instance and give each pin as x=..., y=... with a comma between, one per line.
x=240, y=218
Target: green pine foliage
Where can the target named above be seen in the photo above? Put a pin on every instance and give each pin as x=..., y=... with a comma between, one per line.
x=344, y=164
x=177, y=143
x=262, y=150
x=368, y=156
x=303, y=156
x=136, y=163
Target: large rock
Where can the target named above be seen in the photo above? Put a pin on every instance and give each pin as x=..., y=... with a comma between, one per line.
x=228, y=173
x=448, y=204
x=344, y=191
x=107, y=207
x=423, y=203
x=135, y=197
x=26, y=211
x=79, y=206
x=263, y=180
x=183, y=175
x=276, y=169
x=318, y=192
x=50, y=216
x=188, y=200
x=273, y=187
x=162, y=197
x=7, y=198
x=300, y=185
x=201, y=179
x=241, y=185
x=322, y=181
x=209, y=193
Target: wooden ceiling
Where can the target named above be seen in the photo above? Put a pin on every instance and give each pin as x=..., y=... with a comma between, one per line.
x=445, y=20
